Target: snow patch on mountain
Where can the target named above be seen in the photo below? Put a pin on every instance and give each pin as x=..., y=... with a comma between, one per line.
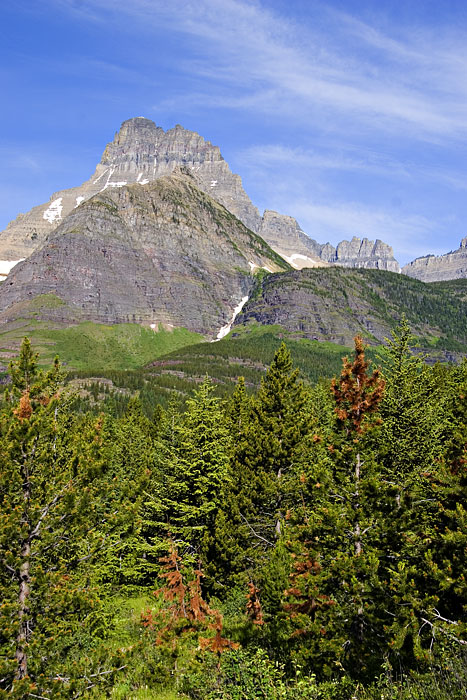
x=7, y=265
x=226, y=329
x=298, y=256
x=54, y=211
x=115, y=184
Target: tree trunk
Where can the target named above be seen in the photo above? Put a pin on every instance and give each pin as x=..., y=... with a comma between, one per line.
x=357, y=532
x=23, y=599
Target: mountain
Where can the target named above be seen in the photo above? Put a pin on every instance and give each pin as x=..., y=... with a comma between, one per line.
x=360, y=253
x=142, y=152
x=159, y=253
x=437, y=268
x=335, y=304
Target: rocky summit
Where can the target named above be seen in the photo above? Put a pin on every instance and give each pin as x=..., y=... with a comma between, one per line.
x=140, y=153
x=438, y=268
x=163, y=252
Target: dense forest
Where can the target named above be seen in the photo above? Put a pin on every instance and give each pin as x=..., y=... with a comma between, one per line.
x=300, y=541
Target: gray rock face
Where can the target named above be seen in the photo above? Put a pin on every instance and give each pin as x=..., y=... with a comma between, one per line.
x=140, y=153
x=361, y=253
x=285, y=236
x=163, y=252
x=432, y=268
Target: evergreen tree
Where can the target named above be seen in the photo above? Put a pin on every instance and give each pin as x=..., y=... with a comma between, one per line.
x=267, y=449
x=334, y=597
x=189, y=486
x=428, y=581
x=412, y=411
x=57, y=508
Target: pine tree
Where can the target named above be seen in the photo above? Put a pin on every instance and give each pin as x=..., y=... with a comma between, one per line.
x=428, y=578
x=334, y=595
x=268, y=443
x=189, y=486
x=412, y=411
x=57, y=509
x=130, y=452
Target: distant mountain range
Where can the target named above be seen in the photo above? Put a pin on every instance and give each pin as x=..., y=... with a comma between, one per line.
x=164, y=235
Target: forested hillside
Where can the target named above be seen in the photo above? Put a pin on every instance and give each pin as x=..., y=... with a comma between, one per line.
x=292, y=541
x=335, y=304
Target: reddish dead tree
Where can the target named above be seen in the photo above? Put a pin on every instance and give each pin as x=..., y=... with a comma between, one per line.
x=187, y=611
x=357, y=395
x=253, y=607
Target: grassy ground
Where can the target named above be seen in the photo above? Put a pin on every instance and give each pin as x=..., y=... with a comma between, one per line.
x=96, y=346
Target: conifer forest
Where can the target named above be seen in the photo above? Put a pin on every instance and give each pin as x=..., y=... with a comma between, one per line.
x=302, y=540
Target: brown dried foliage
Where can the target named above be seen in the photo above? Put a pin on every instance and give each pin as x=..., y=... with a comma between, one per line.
x=302, y=578
x=217, y=644
x=187, y=610
x=253, y=606
x=24, y=410
x=357, y=394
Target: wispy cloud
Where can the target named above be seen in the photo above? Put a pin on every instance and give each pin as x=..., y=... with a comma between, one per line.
x=353, y=111
x=350, y=160
x=414, y=86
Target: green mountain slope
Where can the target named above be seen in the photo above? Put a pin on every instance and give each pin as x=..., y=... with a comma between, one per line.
x=336, y=304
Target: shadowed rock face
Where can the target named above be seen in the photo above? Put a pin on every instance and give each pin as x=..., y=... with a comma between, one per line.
x=432, y=268
x=336, y=303
x=164, y=252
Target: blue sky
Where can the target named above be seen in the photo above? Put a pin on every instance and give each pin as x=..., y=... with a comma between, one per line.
x=349, y=115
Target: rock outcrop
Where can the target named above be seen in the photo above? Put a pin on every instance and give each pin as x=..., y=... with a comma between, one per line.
x=361, y=253
x=163, y=252
x=284, y=235
x=438, y=268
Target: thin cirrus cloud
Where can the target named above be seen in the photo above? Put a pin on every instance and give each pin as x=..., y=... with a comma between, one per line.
x=352, y=125
x=412, y=83
x=352, y=160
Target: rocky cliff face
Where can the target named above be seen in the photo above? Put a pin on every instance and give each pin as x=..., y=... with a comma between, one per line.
x=361, y=253
x=163, y=252
x=432, y=268
x=142, y=152
x=285, y=236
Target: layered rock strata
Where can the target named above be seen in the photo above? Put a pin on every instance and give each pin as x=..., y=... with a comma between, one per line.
x=142, y=152
x=438, y=268
x=334, y=304
x=163, y=252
